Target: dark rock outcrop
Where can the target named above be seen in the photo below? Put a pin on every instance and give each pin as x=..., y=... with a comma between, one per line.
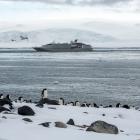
x=6, y=101
x=40, y=105
x=27, y=120
x=103, y=115
x=3, y=109
x=60, y=125
x=26, y=110
x=48, y=101
x=4, y=117
x=126, y=106
x=71, y=122
x=46, y=124
x=103, y=127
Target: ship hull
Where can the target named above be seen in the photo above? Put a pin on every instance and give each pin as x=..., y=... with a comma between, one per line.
x=65, y=47
x=61, y=50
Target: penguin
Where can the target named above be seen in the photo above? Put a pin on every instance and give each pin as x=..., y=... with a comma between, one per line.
x=46, y=100
x=28, y=101
x=118, y=105
x=20, y=99
x=8, y=97
x=1, y=96
x=77, y=103
x=6, y=101
x=44, y=93
x=101, y=106
x=89, y=105
x=110, y=106
x=61, y=101
x=70, y=104
x=95, y=105
x=84, y=104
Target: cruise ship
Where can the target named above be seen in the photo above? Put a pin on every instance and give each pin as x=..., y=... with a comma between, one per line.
x=73, y=46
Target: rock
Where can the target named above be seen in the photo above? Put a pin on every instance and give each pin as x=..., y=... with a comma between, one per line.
x=71, y=122
x=27, y=120
x=85, y=112
x=48, y=101
x=103, y=127
x=6, y=112
x=26, y=110
x=60, y=125
x=4, y=117
x=52, y=108
x=126, y=106
x=40, y=105
x=103, y=115
x=3, y=109
x=5, y=102
x=46, y=124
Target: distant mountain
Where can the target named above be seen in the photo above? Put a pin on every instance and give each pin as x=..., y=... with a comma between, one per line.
x=57, y=35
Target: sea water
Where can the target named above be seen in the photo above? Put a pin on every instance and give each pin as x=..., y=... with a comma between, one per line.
x=102, y=76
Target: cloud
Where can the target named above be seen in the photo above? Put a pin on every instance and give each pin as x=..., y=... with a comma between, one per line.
x=78, y=2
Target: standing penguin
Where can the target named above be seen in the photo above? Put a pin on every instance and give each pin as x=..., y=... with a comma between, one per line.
x=20, y=99
x=77, y=103
x=118, y=105
x=61, y=101
x=1, y=96
x=44, y=93
x=8, y=97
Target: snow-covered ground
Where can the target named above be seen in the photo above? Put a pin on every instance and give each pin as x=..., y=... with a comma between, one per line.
x=12, y=127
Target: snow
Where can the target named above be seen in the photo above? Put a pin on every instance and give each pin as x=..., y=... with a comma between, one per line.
x=14, y=128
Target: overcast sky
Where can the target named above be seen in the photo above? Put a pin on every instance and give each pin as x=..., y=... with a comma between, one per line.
x=35, y=14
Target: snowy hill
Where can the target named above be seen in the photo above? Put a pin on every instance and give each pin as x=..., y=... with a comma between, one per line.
x=58, y=35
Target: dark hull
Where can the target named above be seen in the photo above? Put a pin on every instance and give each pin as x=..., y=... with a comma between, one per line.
x=63, y=48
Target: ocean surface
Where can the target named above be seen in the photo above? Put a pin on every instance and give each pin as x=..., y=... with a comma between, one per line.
x=105, y=76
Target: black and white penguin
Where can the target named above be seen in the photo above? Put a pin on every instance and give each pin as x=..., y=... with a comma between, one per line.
x=89, y=105
x=61, y=101
x=70, y=104
x=46, y=100
x=20, y=99
x=8, y=97
x=95, y=105
x=110, y=106
x=101, y=106
x=6, y=101
x=28, y=101
x=77, y=103
x=1, y=96
x=84, y=104
x=44, y=93
x=118, y=105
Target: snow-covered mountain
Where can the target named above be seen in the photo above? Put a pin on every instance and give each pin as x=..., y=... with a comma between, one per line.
x=58, y=35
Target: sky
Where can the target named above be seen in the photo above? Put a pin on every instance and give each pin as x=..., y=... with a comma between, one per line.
x=119, y=18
